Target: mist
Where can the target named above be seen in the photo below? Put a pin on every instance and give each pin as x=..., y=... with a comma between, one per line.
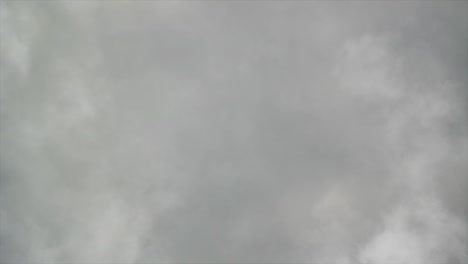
x=234, y=132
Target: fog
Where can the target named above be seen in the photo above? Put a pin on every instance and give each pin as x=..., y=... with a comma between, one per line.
x=328, y=132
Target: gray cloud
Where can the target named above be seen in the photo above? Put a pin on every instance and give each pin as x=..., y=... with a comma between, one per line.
x=247, y=132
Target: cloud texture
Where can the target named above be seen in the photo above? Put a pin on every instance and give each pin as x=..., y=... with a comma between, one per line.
x=234, y=132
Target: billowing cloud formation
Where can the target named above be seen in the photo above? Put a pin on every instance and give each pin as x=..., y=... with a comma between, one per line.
x=233, y=132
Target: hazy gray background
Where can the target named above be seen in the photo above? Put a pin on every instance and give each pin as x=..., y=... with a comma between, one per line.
x=234, y=132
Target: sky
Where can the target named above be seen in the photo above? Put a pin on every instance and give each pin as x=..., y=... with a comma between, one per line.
x=312, y=132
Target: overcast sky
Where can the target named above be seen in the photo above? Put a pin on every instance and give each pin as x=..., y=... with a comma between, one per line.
x=318, y=132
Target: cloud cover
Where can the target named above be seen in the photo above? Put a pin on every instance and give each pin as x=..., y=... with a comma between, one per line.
x=222, y=132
